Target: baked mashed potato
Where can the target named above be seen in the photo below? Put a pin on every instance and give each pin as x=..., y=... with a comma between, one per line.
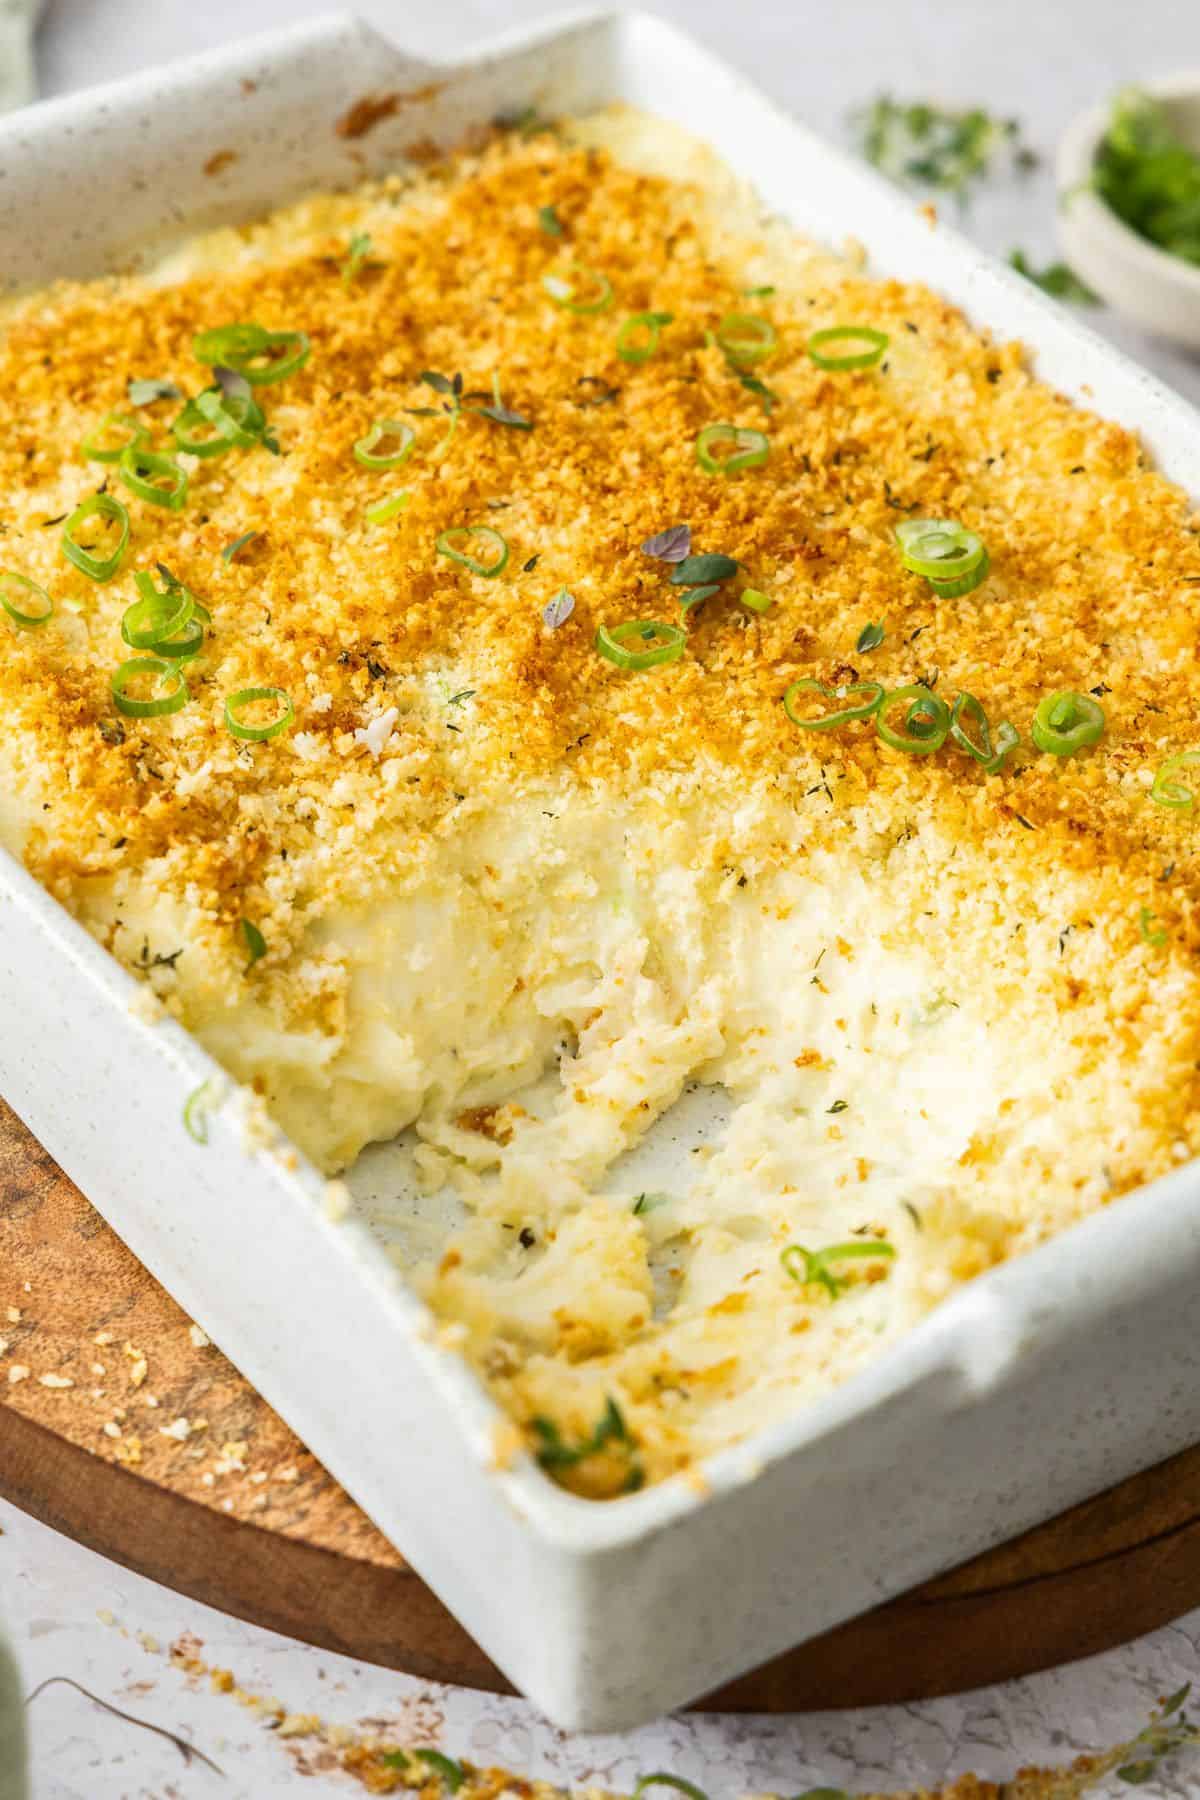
x=471, y=877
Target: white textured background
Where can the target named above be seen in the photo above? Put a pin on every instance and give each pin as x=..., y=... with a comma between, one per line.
x=1042, y=60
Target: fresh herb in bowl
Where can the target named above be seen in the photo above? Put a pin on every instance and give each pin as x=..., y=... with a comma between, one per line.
x=1149, y=176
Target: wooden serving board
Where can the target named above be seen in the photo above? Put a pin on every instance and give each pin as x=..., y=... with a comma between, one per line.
x=124, y=1428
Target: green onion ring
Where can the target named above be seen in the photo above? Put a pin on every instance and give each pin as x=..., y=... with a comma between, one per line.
x=964, y=584
x=669, y=647
x=564, y=288
x=446, y=545
x=156, y=615
x=815, y=1263
x=988, y=751
x=1167, y=792
x=138, y=437
x=102, y=506
x=170, y=702
x=746, y=337
x=756, y=600
x=242, y=348
x=939, y=549
x=184, y=430
x=220, y=346
x=874, y=690
x=672, y=1781
x=848, y=334
x=404, y=434
x=382, y=510
x=137, y=469
x=18, y=614
x=195, y=1113
x=651, y=322
x=750, y=449
x=1066, y=722
x=238, y=418
x=257, y=734
x=926, y=721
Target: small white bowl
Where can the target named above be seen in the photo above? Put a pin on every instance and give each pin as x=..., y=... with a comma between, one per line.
x=1159, y=292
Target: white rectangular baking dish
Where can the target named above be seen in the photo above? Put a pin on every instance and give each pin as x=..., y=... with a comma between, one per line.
x=1030, y=1389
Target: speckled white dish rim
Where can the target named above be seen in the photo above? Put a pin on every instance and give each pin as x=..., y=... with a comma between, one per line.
x=1030, y=1389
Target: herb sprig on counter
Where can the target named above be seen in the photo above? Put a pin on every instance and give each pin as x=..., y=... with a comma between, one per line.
x=917, y=142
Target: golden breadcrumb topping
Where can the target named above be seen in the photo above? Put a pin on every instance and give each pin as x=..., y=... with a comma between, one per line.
x=432, y=703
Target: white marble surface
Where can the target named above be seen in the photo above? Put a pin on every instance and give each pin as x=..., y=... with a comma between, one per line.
x=1039, y=59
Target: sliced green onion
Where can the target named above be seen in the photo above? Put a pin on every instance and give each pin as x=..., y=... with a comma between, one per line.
x=196, y=1110
x=256, y=943
x=987, y=750
x=1168, y=792
x=748, y=449
x=807, y=1266
x=175, y=697
x=579, y=289
x=144, y=472
x=222, y=346
x=629, y=349
x=820, y=346
x=452, y=1773
x=672, y=1781
x=1066, y=722
x=196, y=435
x=382, y=429
x=157, y=615
x=757, y=601
x=98, y=506
x=260, y=356
x=964, y=584
x=865, y=709
x=255, y=696
x=136, y=437
x=382, y=510
x=926, y=720
x=238, y=418
x=939, y=549
x=448, y=545
x=664, y=643
x=746, y=337
x=21, y=614
x=1152, y=934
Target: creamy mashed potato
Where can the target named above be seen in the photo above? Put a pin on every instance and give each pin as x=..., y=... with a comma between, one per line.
x=492, y=889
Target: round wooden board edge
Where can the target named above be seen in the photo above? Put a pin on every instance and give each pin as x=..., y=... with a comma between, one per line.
x=943, y=1638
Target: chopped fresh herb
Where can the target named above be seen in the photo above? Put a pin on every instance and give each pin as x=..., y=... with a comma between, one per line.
x=1056, y=279
x=256, y=943
x=530, y=564
x=647, y=1203
x=146, y=392
x=550, y=222
x=503, y=415
x=709, y=567
x=671, y=545
x=462, y=694
x=1152, y=933
x=695, y=595
x=554, y=1452
x=452, y=1773
x=526, y=120
x=239, y=543
x=869, y=638
x=758, y=293
x=755, y=385
x=356, y=255
x=838, y=1106
x=442, y=384
x=1149, y=176
x=557, y=611
x=605, y=393
x=913, y=141
x=1169, y=1731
